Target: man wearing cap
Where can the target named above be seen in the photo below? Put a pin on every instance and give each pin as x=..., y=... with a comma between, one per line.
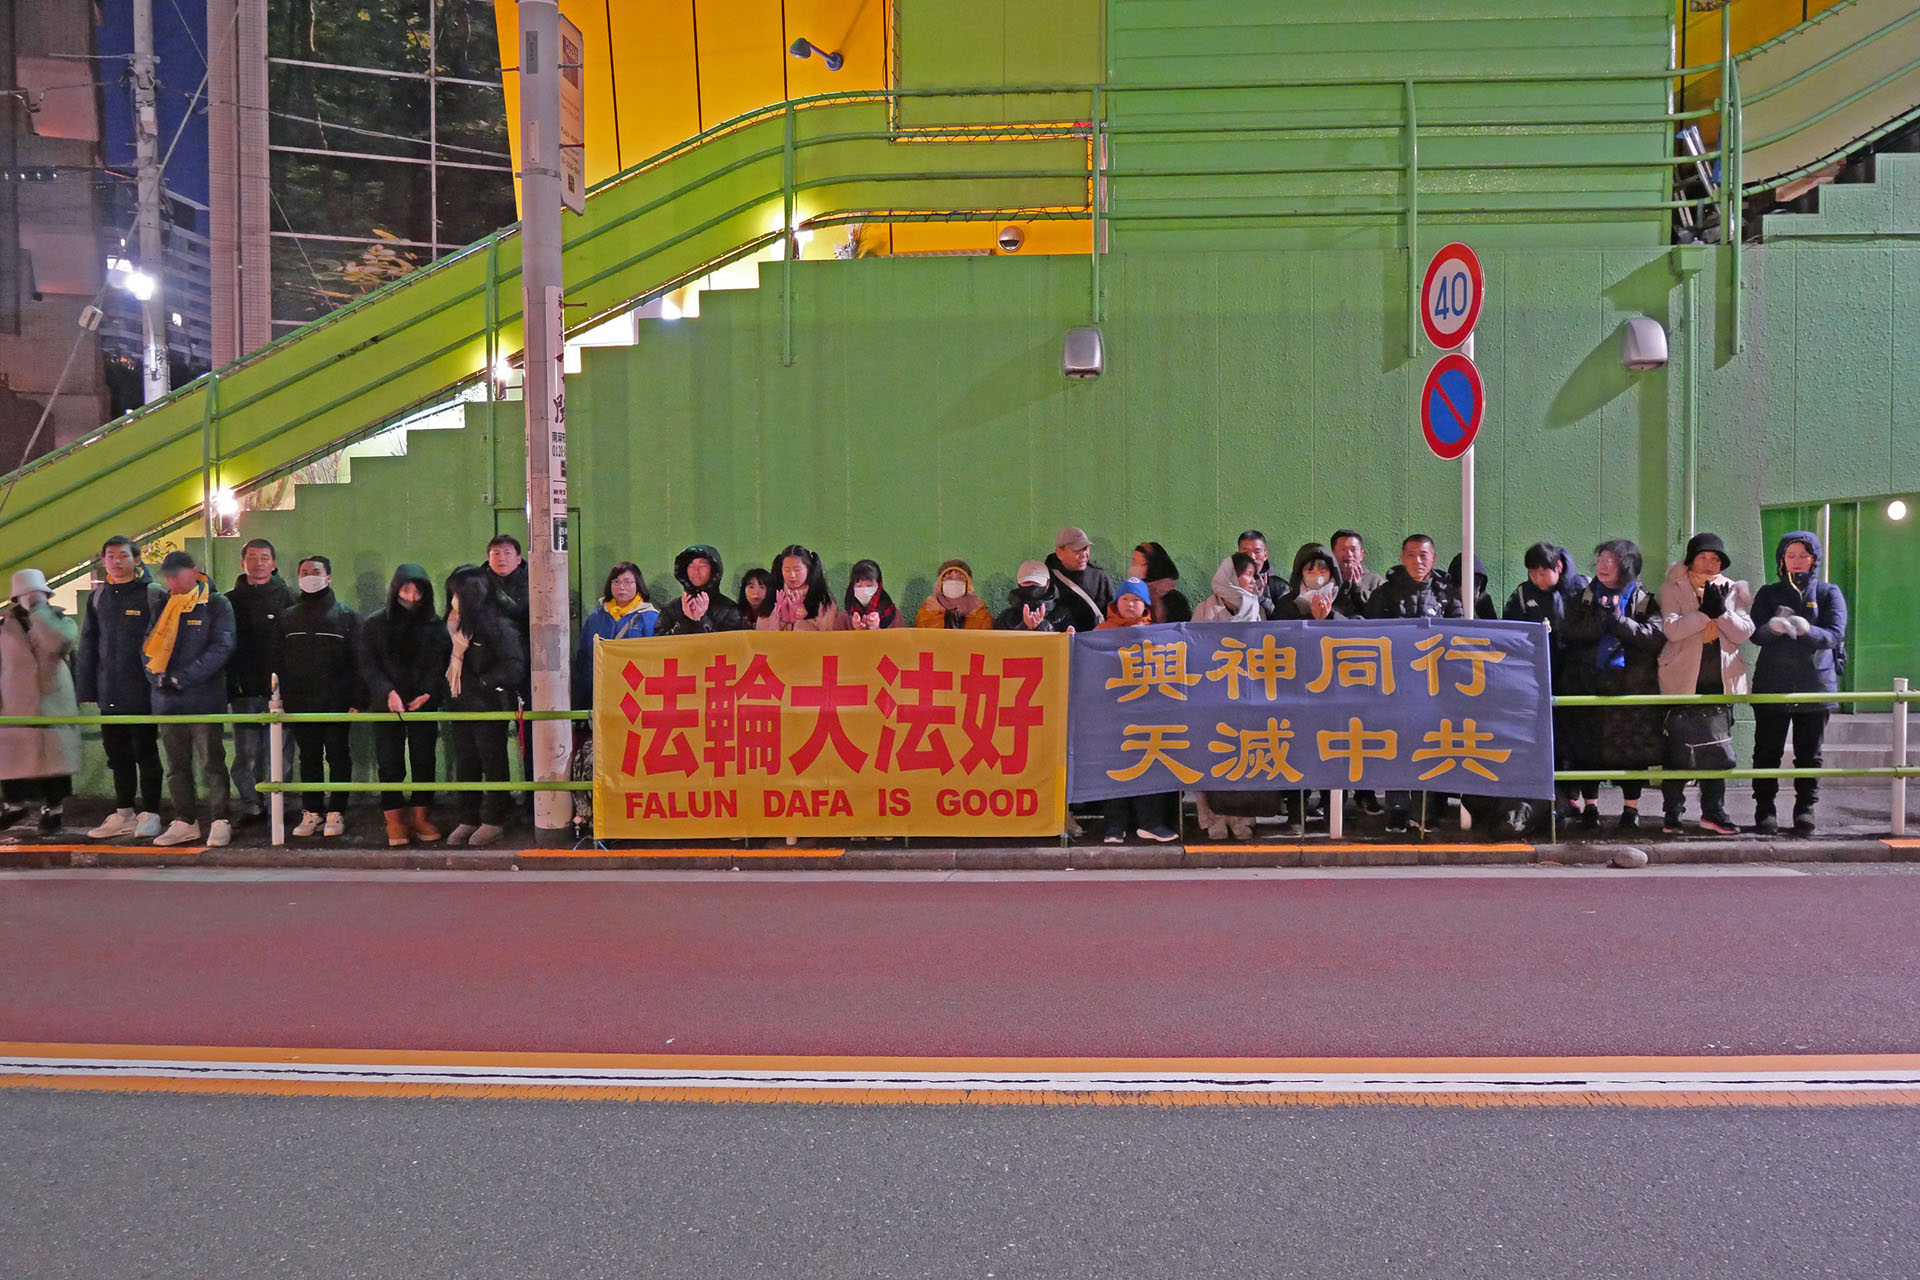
x=186, y=651
x=36, y=764
x=1085, y=589
x=1034, y=603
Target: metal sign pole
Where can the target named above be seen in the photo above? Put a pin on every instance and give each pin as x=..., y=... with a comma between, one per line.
x=546, y=400
x=1465, y=584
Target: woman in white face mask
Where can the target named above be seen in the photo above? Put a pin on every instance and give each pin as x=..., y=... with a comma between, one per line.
x=867, y=606
x=1316, y=583
x=954, y=605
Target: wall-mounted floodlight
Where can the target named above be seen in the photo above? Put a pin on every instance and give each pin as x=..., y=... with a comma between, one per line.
x=804, y=47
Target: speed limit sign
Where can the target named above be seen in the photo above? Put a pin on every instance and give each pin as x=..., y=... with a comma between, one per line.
x=1451, y=296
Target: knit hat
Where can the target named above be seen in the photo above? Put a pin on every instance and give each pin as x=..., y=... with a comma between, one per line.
x=177, y=560
x=1072, y=538
x=27, y=580
x=1032, y=573
x=1134, y=587
x=1701, y=543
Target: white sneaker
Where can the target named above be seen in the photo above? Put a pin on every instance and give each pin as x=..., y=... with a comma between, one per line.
x=119, y=824
x=309, y=823
x=149, y=827
x=336, y=825
x=219, y=834
x=180, y=832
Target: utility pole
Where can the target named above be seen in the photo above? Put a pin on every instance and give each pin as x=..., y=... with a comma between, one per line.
x=546, y=400
x=155, y=378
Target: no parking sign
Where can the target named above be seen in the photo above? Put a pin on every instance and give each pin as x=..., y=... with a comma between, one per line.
x=1451, y=405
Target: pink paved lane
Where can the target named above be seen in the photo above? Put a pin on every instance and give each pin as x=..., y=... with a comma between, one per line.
x=1351, y=967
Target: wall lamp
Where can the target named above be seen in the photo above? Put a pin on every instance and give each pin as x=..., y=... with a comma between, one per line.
x=804, y=47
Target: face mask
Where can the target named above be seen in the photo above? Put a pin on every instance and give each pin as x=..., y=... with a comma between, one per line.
x=313, y=583
x=1313, y=581
x=953, y=588
x=865, y=595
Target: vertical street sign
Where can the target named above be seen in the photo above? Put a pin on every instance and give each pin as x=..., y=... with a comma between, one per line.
x=573, y=118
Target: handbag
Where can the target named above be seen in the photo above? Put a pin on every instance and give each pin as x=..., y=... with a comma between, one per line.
x=1700, y=739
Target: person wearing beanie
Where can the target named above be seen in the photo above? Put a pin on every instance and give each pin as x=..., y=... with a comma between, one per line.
x=1153, y=566
x=1542, y=597
x=37, y=764
x=1085, y=588
x=1154, y=818
x=1033, y=604
x=954, y=604
x=1800, y=625
x=1706, y=617
x=185, y=654
x=404, y=650
x=1613, y=645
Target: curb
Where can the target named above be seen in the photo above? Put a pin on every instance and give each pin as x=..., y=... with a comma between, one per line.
x=1033, y=858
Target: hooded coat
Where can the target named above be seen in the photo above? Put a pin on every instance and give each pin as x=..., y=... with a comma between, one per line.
x=405, y=651
x=1613, y=737
x=960, y=613
x=316, y=655
x=109, y=668
x=1482, y=602
x=1229, y=601
x=1084, y=593
x=1300, y=603
x=34, y=681
x=722, y=614
x=257, y=611
x=195, y=681
x=1529, y=603
x=1688, y=630
x=1799, y=664
x=1401, y=596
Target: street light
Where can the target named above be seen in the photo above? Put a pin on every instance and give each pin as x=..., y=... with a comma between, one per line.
x=804, y=47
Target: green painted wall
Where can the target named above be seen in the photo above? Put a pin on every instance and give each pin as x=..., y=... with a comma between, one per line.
x=1171, y=42
x=986, y=43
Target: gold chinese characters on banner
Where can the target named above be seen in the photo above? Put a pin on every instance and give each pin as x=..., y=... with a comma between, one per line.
x=903, y=732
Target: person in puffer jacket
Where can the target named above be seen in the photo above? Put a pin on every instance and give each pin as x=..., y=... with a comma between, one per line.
x=315, y=656
x=483, y=674
x=403, y=660
x=1233, y=598
x=1800, y=624
x=1706, y=617
x=110, y=672
x=954, y=604
x=1033, y=603
x=1543, y=597
x=624, y=613
x=1155, y=817
x=1613, y=647
x=701, y=607
x=1315, y=583
x=1415, y=589
x=1482, y=602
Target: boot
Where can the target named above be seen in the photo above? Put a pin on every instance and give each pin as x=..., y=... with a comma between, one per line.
x=423, y=829
x=397, y=835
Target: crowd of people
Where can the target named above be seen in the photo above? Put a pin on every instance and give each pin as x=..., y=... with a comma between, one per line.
x=180, y=646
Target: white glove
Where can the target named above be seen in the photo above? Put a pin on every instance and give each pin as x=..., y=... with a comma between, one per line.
x=1780, y=627
x=1801, y=627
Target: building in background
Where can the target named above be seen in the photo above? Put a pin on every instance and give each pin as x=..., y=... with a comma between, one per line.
x=187, y=288
x=50, y=270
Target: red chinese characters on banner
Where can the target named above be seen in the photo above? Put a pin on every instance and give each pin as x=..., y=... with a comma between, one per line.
x=899, y=732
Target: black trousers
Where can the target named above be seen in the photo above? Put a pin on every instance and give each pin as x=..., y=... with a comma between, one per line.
x=133, y=754
x=1713, y=797
x=480, y=755
x=51, y=792
x=1127, y=814
x=394, y=745
x=1770, y=726
x=331, y=742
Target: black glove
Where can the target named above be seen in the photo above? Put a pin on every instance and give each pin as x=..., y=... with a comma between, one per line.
x=1713, y=600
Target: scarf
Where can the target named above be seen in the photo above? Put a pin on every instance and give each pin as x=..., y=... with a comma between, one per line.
x=460, y=642
x=1610, y=652
x=160, y=642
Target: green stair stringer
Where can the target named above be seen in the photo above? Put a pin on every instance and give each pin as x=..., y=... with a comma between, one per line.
x=712, y=200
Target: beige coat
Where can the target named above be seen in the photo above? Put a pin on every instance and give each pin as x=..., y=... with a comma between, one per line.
x=1688, y=630
x=828, y=619
x=36, y=681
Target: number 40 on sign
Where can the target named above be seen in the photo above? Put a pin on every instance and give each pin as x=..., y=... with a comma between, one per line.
x=1451, y=296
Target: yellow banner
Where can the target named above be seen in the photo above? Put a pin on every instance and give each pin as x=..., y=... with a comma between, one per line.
x=903, y=732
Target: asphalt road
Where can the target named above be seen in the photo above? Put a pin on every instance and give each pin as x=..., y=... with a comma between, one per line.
x=157, y=1184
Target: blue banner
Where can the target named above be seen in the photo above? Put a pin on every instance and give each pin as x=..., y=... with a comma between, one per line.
x=1405, y=705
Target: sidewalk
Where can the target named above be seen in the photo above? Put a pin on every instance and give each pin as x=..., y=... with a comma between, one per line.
x=1853, y=828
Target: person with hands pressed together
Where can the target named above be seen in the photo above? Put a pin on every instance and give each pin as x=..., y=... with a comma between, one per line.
x=403, y=657
x=867, y=606
x=701, y=608
x=954, y=606
x=1801, y=628
x=803, y=601
x=1706, y=618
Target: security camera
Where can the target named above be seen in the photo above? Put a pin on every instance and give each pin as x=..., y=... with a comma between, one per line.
x=1643, y=346
x=1010, y=239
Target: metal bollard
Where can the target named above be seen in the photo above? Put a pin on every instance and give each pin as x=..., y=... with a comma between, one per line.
x=276, y=765
x=1336, y=815
x=1900, y=758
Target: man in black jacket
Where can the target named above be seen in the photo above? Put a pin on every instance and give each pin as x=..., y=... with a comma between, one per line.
x=1085, y=589
x=1415, y=589
x=701, y=607
x=315, y=655
x=110, y=671
x=259, y=599
x=507, y=571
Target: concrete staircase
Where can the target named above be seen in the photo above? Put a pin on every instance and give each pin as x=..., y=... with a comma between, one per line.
x=1860, y=741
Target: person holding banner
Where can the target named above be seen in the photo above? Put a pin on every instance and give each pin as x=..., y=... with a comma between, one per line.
x=1613, y=643
x=1152, y=817
x=867, y=606
x=803, y=601
x=1707, y=617
x=1413, y=589
x=954, y=606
